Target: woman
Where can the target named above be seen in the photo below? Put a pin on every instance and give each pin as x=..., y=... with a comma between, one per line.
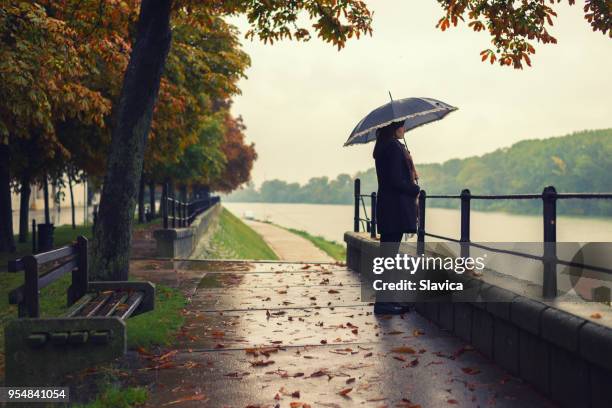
x=396, y=206
x=396, y=209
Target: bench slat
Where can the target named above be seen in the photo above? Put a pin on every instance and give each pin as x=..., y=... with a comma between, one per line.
x=77, y=307
x=92, y=307
x=132, y=304
x=110, y=306
x=56, y=254
x=54, y=274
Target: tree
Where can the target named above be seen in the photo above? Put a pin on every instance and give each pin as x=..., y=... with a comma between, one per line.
x=41, y=73
x=239, y=157
x=334, y=21
x=514, y=25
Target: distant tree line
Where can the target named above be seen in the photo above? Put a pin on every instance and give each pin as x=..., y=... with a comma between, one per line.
x=579, y=162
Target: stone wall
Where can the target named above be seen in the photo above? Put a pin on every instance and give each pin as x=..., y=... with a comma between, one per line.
x=179, y=243
x=567, y=357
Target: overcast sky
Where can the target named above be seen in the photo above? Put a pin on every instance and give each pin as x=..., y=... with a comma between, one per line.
x=301, y=100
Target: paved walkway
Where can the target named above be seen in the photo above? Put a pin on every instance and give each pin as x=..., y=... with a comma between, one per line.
x=288, y=246
x=297, y=335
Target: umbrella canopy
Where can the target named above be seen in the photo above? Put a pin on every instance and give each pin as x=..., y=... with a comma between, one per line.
x=413, y=111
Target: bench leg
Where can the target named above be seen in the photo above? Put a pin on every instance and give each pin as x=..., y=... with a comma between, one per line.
x=41, y=351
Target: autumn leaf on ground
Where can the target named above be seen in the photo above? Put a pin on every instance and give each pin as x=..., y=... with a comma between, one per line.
x=299, y=405
x=403, y=349
x=332, y=291
x=196, y=397
x=261, y=363
x=470, y=370
x=345, y=392
x=394, y=332
x=596, y=316
x=417, y=332
x=453, y=401
x=319, y=373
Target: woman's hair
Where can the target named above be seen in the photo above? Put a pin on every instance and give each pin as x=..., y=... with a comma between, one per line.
x=384, y=135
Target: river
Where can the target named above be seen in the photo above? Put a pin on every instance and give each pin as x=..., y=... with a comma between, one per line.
x=331, y=221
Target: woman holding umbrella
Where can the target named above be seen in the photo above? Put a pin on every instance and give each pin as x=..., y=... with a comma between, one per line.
x=396, y=208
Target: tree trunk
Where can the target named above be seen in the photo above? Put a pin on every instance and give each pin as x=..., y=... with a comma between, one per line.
x=7, y=240
x=141, y=200
x=71, y=201
x=152, y=198
x=112, y=238
x=24, y=208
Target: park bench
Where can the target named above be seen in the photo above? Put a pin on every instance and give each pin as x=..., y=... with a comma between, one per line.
x=41, y=350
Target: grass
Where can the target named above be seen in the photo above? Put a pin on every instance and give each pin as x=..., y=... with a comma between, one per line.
x=235, y=240
x=118, y=398
x=331, y=248
x=159, y=326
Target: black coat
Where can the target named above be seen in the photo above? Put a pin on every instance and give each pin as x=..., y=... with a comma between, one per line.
x=396, y=209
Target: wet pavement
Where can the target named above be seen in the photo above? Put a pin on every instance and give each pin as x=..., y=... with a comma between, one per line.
x=297, y=335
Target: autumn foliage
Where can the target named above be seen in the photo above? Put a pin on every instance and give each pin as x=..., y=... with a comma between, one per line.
x=514, y=26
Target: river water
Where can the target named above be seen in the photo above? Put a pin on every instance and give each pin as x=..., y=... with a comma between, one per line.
x=331, y=221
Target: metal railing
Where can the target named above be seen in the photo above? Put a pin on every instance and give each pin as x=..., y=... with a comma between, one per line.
x=368, y=223
x=549, y=197
x=178, y=214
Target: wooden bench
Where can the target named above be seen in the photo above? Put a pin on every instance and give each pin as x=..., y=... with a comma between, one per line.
x=42, y=350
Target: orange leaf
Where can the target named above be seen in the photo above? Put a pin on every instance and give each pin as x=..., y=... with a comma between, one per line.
x=345, y=391
x=196, y=397
x=403, y=349
x=470, y=370
x=596, y=316
x=261, y=363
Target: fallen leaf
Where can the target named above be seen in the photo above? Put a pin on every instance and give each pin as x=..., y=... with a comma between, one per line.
x=319, y=373
x=403, y=349
x=332, y=291
x=596, y=316
x=470, y=370
x=345, y=391
x=261, y=363
x=417, y=332
x=453, y=401
x=196, y=397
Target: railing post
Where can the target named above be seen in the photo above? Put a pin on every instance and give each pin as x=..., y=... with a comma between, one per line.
x=549, y=207
x=173, y=213
x=421, y=230
x=465, y=223
x=373, y=215
x=33, y=236
x=357, y=194
x=164, y=205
